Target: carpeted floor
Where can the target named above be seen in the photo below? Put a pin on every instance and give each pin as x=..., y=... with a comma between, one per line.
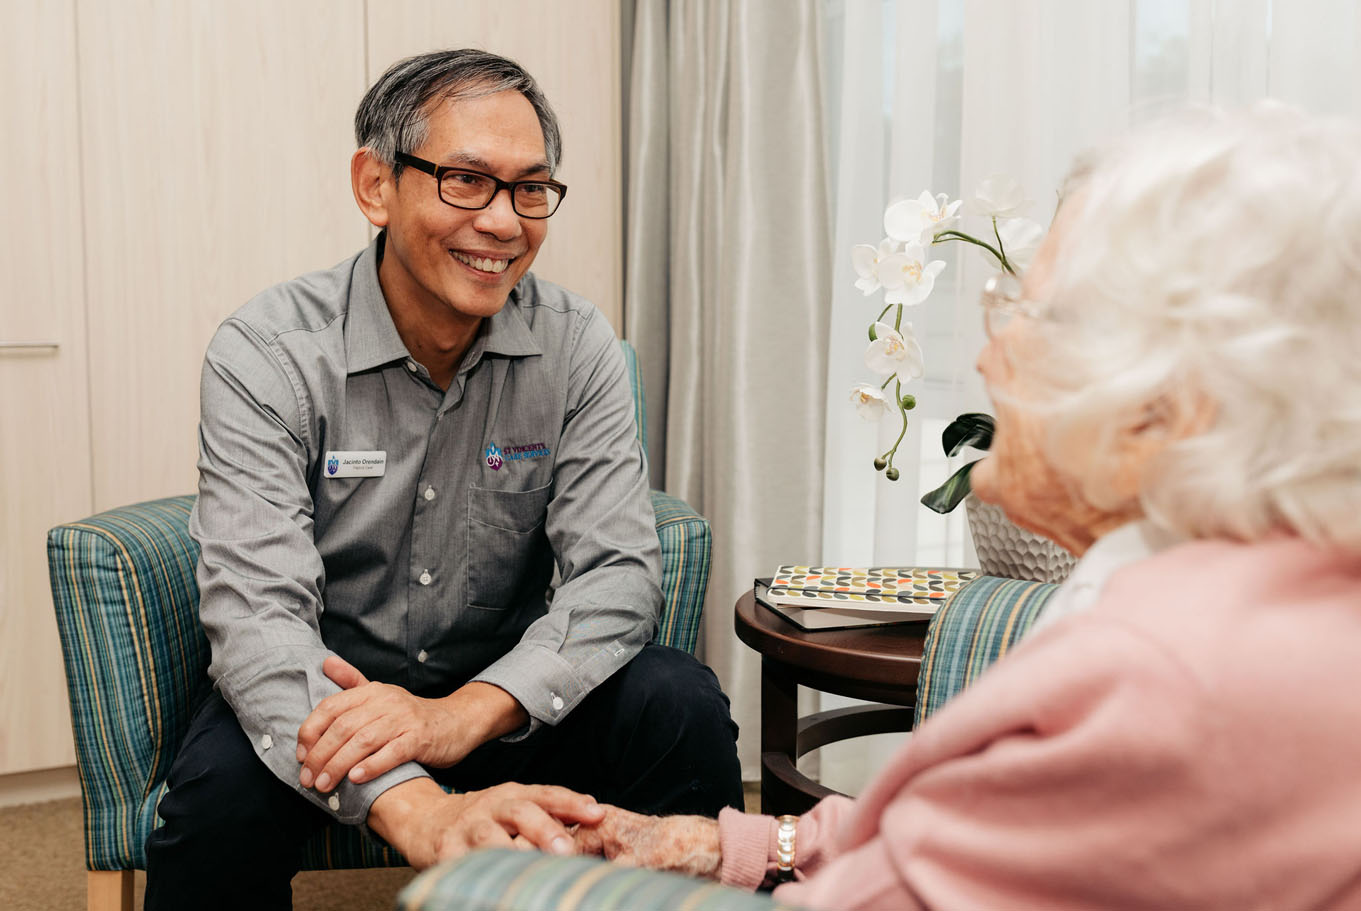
x=42, y=867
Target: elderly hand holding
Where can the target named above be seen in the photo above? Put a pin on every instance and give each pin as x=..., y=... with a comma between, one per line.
x=684, y=844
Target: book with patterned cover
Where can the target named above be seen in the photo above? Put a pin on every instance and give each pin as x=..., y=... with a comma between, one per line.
x=884, y=588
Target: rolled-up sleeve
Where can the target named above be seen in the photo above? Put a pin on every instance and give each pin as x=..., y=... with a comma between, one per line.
x=260, y=575
x=603, y=533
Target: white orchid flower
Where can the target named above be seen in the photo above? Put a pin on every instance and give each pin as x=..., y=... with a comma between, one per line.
x=999, y=196
x=906, y=276
x=866, y=259
x=919, y=219
x=870, y=402
x=894, y=351
x=1020, y=239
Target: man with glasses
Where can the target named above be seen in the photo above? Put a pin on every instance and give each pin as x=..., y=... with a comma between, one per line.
x=428, y=551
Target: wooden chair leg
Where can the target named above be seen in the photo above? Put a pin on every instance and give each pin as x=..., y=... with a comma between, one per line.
x=108, y=890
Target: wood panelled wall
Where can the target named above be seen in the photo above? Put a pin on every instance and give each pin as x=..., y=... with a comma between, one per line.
x=165, y=160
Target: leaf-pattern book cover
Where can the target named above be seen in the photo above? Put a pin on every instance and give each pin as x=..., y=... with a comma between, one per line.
x=878, y=587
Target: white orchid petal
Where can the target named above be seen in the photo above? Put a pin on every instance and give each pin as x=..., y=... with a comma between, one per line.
x=913, y=365
x=870, y=402
x=933, y=268
x=1021, y=237
x=902, y=220
x=888, y=352
x=892, y=270
x=999, y=196
x=863, y=258
x=915, y=294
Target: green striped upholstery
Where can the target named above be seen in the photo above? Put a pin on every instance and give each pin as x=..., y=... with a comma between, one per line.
x=974, y=628
x=636, y=381
x=522, y=881
x=686, y=545
x=123, y=585
x=136, y=661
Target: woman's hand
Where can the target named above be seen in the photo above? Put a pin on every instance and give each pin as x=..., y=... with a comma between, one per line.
x=685, y=844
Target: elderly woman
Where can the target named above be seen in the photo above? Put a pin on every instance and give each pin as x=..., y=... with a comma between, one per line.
x=1178, y=396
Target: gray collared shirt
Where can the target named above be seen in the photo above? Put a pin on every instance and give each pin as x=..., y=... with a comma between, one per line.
x=437, y=570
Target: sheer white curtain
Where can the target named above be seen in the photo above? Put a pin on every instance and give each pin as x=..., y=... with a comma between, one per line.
x=938, y=94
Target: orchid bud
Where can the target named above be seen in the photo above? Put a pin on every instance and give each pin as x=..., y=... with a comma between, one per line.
x=891, y=474
x=909, y=402
x=873, y=336
x=879, y=464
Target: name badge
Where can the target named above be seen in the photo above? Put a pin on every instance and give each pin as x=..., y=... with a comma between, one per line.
x=356, y=464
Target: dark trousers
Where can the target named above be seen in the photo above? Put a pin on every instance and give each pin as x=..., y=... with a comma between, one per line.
x=657, y=738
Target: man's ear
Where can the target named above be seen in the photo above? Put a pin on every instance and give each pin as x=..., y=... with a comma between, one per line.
x=373, y=186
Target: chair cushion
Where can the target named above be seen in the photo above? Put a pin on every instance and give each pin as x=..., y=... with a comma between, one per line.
x=528, y=881
x=975, y=627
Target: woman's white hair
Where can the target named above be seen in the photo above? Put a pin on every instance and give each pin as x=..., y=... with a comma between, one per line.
x=1210, y=264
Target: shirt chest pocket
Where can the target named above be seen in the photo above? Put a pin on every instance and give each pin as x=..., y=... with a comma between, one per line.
x=507, y=546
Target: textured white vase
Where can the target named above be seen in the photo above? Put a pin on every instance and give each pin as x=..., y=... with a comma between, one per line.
x=1006, y=549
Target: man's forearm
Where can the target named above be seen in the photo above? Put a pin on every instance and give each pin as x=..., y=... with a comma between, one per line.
x=484, y=712
x=392, y=812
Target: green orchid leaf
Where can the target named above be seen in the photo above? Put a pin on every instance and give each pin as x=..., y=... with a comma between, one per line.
x=950, y=494
x=972, y=429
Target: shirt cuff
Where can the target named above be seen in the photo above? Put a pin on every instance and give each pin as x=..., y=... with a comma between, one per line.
x=347, y=802
x=746, y=845
x=541, y=681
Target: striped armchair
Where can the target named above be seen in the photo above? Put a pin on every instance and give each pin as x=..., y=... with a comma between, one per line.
x=136, y=661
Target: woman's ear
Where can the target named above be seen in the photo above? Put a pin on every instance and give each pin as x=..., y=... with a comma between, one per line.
x=373, y=185
x=1167, y=419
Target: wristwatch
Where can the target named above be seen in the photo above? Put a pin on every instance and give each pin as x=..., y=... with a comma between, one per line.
x=786, y=843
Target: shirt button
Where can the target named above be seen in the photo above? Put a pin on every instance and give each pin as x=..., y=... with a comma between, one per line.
x=425, y=577
x=422, y=656
x=411, y=365
x=334, y=802
x=266, y=741
x=430, y=493
x=557, y=703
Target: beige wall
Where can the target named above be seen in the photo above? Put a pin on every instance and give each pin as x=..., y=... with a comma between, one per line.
x=165, y=161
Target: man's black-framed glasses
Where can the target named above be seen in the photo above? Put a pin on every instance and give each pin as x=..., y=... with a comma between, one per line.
x=466, y=189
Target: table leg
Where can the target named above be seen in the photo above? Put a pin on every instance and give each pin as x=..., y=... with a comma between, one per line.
x=779, y=731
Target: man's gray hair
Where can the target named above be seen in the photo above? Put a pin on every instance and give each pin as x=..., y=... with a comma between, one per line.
x=394, y=114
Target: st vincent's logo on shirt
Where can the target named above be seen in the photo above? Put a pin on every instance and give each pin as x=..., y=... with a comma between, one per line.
x=332, y=465
x=496, y=457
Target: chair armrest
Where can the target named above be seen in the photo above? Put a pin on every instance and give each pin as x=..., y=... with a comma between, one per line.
x=686, y=546
x=972, y=630
x=504, y=880
x=126, y=601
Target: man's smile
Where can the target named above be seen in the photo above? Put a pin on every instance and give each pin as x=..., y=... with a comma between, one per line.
x=489, y=264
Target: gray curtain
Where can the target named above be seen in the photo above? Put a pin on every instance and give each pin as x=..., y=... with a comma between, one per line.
x=727, y=284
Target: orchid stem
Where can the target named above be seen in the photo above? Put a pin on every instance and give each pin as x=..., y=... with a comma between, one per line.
x=1001, y=250
x=968, y=238
x=898, y=397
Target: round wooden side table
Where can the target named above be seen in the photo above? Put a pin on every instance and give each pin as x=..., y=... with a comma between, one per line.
x=877, y=663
